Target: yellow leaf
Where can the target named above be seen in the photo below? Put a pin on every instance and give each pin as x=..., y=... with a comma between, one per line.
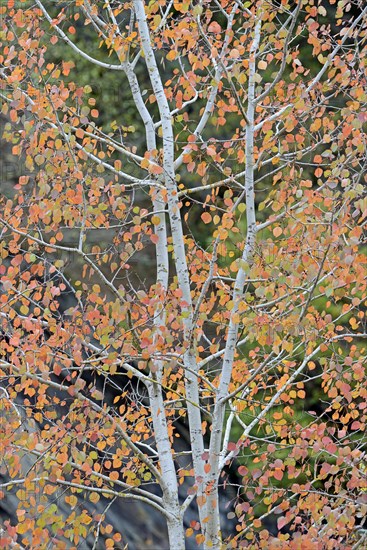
x=262, y=65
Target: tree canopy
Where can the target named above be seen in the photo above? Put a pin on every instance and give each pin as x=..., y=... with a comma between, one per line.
x=207, y=245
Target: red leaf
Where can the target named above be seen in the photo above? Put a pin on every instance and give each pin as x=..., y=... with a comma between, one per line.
x=281, y=522
x=214, y=27
x=356, y=425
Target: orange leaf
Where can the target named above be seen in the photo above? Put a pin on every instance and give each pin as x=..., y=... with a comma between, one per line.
x=171, y=55
x=202, y=168
x=206, y=217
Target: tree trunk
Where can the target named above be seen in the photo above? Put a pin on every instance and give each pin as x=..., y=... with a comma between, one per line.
x=176, y=533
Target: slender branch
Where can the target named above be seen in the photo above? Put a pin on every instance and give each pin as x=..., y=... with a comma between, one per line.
x=66, y=39
x=312, y=290
x=67, y=249
x=336, y=50
x=219, y=353
x=100, y=523
x=284, y=56
x=273, y=401
x=132, y=446
x=215, y=85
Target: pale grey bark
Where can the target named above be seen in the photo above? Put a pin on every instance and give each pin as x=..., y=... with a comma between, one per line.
x=212, y=527
x=179, y=257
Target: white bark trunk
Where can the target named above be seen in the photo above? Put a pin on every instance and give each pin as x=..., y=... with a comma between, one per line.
x=191, y=380
x=212, y=527
x=176, y=534
x=161, y=435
